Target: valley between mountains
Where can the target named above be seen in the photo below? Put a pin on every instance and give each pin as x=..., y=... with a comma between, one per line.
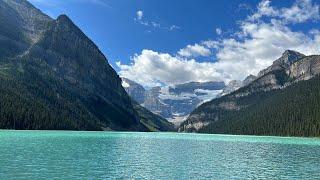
x=53, y=77
x=283, y=100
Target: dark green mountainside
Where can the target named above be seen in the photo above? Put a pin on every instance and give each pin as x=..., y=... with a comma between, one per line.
x=152, y=121
x=284, y=100
x=293, y=111
x=54, y=77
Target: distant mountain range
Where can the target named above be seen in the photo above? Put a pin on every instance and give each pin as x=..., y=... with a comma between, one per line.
x=176, y=102
x=284, y=99
x=173, y=102
x=54, y=77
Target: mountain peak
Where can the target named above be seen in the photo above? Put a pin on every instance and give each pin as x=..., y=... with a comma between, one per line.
x=290, y=56
x=289, y=52
x=63, y=17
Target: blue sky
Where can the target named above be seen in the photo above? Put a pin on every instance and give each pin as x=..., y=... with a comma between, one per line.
x=169, y=42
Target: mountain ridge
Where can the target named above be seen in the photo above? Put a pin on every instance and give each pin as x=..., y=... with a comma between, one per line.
x=173, y=102
x=278, y=76
x=55, y=77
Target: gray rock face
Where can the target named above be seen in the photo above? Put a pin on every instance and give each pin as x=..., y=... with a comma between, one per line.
x=290, y=68
x=52, y=68
x=174, y=102
x=154, y=103
x=248, y=80
x=232, y=86
x=135, y=90
x=287, y=58
x=236, y=84
x=77, y=60
x=32, y=20
x=306, y=69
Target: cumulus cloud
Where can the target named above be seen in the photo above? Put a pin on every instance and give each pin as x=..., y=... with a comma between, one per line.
x=266, y=43
x=218, y=31
x=300, y=11
x=151, y=68
x=254, y=47
x=211, y=44
x=139, y=14
x=194, y=51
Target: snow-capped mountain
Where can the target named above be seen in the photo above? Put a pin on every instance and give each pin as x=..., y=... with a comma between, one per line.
x=174, y=103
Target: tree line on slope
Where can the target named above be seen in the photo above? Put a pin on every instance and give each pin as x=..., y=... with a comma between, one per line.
x=293, y=111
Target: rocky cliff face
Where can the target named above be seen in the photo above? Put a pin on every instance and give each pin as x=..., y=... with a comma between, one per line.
x=306, y=69
x=267, y=78
x=231, y=86
x=31, y=20
x=135, y=90
x=155, y=104
x=175, y=102
x=236, y=84
x=54, y=77
x=21, y=25
x=287, y=58
x=248, y=80
x=292, y=67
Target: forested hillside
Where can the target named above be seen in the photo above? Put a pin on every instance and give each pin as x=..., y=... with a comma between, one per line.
x=293, y=111
x=282, y=100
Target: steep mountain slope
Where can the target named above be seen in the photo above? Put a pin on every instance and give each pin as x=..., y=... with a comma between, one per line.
x=135, y=90
x=151, y=121
x=287, y=71
x=54, y=77
x=230, y=87
x=21, y=25
x=293, y=111
x=173, y=102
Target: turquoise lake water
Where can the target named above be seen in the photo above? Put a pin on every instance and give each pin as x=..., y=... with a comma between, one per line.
x=118, y=155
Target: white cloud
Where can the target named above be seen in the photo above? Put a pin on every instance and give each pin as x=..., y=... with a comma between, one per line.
x=151, y=68
x=218, y=31
x=139, y=14
x=194, y=51
x=300, y=11
x=263, y=44
x=211, y=44
x=259, y=42
x=174, y=27
x=152, y=24
x=264, y=9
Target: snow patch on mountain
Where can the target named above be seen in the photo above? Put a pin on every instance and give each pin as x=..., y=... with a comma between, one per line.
x=125, y=84
x=176, y=102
